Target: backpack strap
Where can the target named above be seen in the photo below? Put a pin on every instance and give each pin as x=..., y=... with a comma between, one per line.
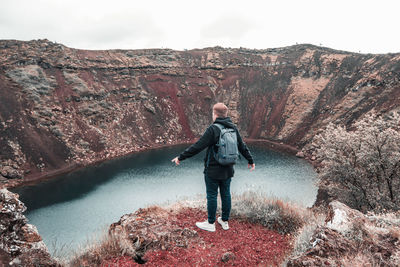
x=219, y=125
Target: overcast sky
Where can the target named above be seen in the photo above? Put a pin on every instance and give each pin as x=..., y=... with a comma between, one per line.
x=352, y=25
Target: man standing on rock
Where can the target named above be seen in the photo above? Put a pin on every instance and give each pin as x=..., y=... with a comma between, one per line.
x=216, y=175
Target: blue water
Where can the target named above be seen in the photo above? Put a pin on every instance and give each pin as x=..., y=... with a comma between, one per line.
x=75, y=207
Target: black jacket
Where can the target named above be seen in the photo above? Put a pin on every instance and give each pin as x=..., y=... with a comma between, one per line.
x=210, y=137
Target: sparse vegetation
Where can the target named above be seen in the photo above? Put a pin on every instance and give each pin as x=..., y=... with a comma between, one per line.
x=303, y=238
x=95, y=253
x=361, y=259
x=275, y=214
x=78, y=85
x=34, y=81
x=364, y=161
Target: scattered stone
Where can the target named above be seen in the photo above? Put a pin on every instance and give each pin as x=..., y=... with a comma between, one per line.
x=228, y=256
x=150, y=108
x=10, y=172
x=189, y=232
x=300, y=154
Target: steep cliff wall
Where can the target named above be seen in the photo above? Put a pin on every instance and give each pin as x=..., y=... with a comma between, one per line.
x=62, y=107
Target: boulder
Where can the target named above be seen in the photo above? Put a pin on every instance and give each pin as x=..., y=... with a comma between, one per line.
x=20, y=242
x=150, y=108
x=342, y=219
x=10, y=172
x=328, y=247
x=2, y=178
x=351, y=238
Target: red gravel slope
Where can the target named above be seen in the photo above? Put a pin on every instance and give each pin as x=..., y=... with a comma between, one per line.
x=244, y=244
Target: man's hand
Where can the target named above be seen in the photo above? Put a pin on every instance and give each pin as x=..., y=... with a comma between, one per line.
x=251, y=166
x=176, y=160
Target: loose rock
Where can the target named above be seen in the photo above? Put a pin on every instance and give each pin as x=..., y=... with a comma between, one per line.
x=228, y=256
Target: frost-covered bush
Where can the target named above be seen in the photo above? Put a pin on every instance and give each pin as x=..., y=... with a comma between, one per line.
x=283, y=217
x=365, y=161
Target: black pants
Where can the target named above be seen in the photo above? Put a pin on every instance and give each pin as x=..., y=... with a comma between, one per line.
x=212, y=186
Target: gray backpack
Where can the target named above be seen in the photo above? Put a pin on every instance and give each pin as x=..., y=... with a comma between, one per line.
x=228, y=152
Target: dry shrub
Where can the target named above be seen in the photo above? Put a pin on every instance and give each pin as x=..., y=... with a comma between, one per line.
x=395, y=233
x=364, y=161
x=283, y=217
x=95, y=253
x=359, y=232
x=302, y=241
x=395, y=258
x=60, y=251
x=361, y=259
x=385, y=219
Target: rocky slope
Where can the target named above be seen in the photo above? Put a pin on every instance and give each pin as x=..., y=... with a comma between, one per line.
x=262, y=233
x=20, y=242
x=351, y=238
x=61, y=108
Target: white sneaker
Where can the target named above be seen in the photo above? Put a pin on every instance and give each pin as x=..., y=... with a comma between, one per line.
x=206, y=226
x=224, y=225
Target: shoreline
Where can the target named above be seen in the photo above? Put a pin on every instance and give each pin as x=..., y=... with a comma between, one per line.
x=274, y=145
x=36, y=179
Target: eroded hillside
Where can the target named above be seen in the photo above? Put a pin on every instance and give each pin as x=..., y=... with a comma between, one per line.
x=61, y=107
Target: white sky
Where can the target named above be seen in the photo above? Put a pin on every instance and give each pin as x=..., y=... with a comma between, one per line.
x=352, y=25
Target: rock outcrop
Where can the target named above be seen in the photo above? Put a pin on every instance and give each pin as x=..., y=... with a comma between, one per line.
x=20, y=242
x=61, y=108
x=168, y=237
x=351, y=238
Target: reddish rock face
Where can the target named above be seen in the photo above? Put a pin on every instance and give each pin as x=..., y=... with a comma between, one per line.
x=20, y=242
x=61, y=108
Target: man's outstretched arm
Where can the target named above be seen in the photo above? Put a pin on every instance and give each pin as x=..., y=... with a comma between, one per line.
x=205, y=140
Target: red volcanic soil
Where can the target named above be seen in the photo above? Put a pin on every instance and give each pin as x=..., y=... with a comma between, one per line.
x=244, y=244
